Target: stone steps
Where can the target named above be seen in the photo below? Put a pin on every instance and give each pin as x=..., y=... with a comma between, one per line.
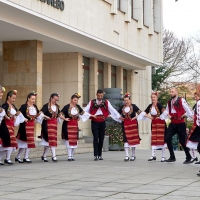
x=60, y=150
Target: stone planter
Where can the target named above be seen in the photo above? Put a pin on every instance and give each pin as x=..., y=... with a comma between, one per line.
x=115, y=147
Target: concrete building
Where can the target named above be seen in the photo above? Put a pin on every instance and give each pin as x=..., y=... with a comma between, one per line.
x=79, y=46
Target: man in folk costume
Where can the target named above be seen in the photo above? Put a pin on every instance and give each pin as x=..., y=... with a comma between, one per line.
x=177, y=109
x=128, y=117
x=101, y=109
x=194, y=135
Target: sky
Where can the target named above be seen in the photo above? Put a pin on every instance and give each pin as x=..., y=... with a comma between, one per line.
x=182, y=17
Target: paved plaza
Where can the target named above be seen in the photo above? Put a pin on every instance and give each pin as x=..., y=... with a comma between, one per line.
x=110, y=179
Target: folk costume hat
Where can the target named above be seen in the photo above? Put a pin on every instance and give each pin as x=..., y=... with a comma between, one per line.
x=155, y=93
x=77, y=95
x=3, y=89
x=127, y=95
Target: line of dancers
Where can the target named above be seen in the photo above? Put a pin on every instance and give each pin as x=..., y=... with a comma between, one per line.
x=97, y=110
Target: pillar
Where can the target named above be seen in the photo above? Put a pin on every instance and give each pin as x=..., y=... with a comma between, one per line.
x=22, y=70
x=93, y=77
x=119, y=77
x=107, y=75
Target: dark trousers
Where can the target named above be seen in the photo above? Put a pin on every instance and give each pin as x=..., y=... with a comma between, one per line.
x=180, y=130
x=98, y=131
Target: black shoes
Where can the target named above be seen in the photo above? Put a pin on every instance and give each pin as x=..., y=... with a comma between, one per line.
x=198, y=174
x=96, y=158
x=187, y=161
x=8, y=162
x=152, y=158
x=170, y=160
x=54, y=159
x=18, y=160
x=126, y=159
x=100, y=158
x=133, y=158
x=44, y=159
x=194, y=159
x=26, y=160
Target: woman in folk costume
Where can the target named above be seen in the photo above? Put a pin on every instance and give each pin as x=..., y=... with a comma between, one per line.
x=71, y=113
x=25, y=136
x=12, y=118
x=2, y=114
x=194, y=136
x=129, y=126
x=158, y=126
x=49, y=127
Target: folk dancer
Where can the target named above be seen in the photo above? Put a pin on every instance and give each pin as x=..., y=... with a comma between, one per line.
x=101, y=109
x=25, y=136
x=49, y=126
x=194, y=136
x=71, y=113
x=158, y=126
x=2, y=114
x=128, y=117
x=12, y=118
x=177, y=109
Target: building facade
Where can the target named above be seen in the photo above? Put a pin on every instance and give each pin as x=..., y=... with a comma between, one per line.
x=79, y=46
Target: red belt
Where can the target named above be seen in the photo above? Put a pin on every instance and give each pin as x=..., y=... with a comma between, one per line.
x=99, y=118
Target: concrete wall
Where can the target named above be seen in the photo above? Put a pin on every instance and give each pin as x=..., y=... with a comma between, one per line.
x=97, y=18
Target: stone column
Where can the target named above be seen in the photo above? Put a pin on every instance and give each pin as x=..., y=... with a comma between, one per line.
x=119, y=77
x=93, y=77
x=22, y=69
x=107, y=75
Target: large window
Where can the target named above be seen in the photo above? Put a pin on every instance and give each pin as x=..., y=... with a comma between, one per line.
x=124, y=81
x=86, y=77
x=122, y=5
x=113, y=76
x=100, y=75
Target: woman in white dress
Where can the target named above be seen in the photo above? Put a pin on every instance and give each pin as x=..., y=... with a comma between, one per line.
x=130, y=131
x=71, y=113
x=25, y=136
x=12, y=118
x=49, y=127
x=158, y=126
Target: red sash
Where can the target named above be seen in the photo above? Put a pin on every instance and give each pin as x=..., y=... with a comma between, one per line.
x=72, y=129
x=10, y=127
x=131, y=131
x=158, y=132
x=30, y=127
x=52, y=132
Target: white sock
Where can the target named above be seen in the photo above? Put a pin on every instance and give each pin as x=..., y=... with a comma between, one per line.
x=69, y=150
x=20, y=153
x=8, y=154
x=2, y=154
x=46, y=148
x=72, y=152
x=193, y=153
x=163, y=152
x=153, y=152
x=133, y=151
x=53, y=151
x=26, y=153
x=127, y=151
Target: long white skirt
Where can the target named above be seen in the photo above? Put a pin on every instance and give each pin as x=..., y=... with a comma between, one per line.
x=159, y=146
x=22, y=144
x=66, y=143
x=192, y=145
x=126, y=144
